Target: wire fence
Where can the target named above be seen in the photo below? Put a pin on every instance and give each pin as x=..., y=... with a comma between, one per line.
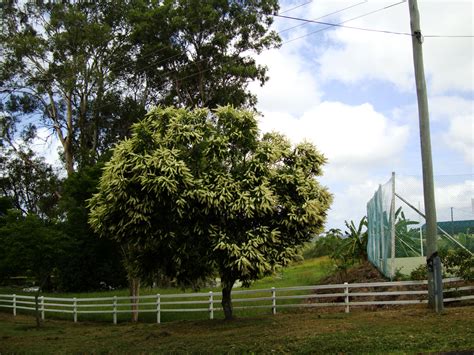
x=345, y=295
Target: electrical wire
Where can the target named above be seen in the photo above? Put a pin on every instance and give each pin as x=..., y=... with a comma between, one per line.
x=448, y=36
x=321, y=17
x=345, y=21
x=341, y=24
x=296, y=7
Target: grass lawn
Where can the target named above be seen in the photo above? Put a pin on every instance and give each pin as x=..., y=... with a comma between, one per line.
x=408, y=329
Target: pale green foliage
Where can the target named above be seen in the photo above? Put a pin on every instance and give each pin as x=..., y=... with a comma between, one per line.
x=197, y=191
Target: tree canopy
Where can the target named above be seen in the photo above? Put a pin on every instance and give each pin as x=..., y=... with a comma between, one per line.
x=193, y=192
x=200, y=53
x=87, y=69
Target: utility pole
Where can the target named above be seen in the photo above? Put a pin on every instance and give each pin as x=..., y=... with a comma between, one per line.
x=435, y=282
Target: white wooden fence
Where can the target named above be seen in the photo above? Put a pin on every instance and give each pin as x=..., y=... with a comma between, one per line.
x=340, y=295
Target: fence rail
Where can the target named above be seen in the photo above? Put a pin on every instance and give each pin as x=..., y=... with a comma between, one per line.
x=271, y=298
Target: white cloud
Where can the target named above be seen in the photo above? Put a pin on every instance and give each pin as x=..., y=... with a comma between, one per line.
x=456, y=195
x=367, y=57
x=449, y=61
x=446, y=107
x=351, y=203
x=456, y=192
x=291, y=87
x=348, y=135
x=460, y=136
x=357, y=56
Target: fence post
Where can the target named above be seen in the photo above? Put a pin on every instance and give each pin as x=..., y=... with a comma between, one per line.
x=211, y=305
x=274, y=301
x=346, y=293
x=115, y=310
x=74, y=310
x=158, y=308
x=42, y=307
x=14, y=304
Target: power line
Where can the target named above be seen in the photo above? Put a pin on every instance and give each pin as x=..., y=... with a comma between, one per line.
x=345, y=21
x=343, y=26
x=296, y=7
x=319, y=18
x=448, y=36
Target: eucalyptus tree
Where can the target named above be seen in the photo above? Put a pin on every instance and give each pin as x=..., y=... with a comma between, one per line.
x=60, y=64
x=87, y=69
x=197, y=53
x=194, y=192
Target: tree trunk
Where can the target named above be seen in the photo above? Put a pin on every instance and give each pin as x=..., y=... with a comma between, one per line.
x=68, y=152
x=227, y=298
x=134, y=292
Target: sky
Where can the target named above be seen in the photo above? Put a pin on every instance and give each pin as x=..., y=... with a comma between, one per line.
x=352, y=93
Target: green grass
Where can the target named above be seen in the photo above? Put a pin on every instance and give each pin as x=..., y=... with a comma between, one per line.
x=403, y=330
x=308, y=272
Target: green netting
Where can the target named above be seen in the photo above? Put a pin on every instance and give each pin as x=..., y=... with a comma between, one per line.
x=397, y=236
x=380, y=227
x=395, y=242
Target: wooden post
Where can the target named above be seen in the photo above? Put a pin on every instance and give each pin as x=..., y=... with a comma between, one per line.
x=346, y=301
x=158, y=308
x=115, y=310
x=42, y=307
x=74, y=310
x=274, y=305
x=211, y=305
x=14, y=305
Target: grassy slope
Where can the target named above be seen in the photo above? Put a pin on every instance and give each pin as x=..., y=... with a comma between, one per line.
x=402, y=330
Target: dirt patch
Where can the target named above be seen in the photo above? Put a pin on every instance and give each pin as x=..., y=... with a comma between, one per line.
x=365, y=273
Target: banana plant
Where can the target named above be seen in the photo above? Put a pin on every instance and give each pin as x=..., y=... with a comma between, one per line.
x=357, y=238
x=354, y=246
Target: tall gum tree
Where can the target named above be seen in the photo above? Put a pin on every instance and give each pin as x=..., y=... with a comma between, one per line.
x=195, y=53
x=57, y=70
x=86, y=70
x=195, y=192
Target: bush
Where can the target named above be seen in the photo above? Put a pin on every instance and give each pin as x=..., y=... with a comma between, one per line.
x=458, y=263
x=323, y=246
x=420, y=273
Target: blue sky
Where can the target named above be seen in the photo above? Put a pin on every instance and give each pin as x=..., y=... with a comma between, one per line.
x=352, y=93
